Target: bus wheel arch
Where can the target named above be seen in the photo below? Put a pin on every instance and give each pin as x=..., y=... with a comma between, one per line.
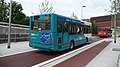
x=72, y=44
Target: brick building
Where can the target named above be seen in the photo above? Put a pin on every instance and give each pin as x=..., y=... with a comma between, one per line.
x=104, y=21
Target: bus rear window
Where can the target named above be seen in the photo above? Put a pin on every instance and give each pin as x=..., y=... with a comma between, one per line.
x=34, y=25
x=41, y=25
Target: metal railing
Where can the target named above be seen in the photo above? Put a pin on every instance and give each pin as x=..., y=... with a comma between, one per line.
x=18, y=32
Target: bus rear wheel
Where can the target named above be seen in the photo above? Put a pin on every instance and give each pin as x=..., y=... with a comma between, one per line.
x=71, y=45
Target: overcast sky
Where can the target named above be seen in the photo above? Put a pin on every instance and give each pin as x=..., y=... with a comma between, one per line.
x=66, y=7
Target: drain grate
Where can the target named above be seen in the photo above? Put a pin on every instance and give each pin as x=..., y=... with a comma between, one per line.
x=116, y=49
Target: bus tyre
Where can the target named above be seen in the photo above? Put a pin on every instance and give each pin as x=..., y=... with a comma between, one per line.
x=71, y=45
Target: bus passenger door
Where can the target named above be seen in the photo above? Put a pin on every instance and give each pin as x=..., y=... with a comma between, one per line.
x=59, y=32
x=62, y=34
x=65, y=33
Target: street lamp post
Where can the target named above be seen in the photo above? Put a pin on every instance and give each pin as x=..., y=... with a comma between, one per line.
x=9, y=31
x=82, y=12
x=115, y=23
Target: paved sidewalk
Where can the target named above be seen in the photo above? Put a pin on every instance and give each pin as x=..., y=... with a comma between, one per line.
x=108, y=57
x=16, y=48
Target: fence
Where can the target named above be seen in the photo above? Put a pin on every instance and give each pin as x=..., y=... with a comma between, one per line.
x=18, y=32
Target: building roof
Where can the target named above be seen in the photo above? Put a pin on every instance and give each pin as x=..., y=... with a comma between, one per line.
x=101, y=18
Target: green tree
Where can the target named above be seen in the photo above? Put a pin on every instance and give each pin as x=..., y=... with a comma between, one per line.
x=3, y=10
x=18, y=17
x=45, y=7
x=115, y=4
x=94, y=27
x=25, y=21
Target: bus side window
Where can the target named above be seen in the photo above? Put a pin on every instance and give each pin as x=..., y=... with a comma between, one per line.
x=82, y=29
x=70, y=28
x=85, y=29
x=78, y=29
x=65, y=27
x=59, y=27
x=89, y=29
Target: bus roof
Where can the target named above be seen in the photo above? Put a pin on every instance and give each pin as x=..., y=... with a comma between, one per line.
x=64, y=18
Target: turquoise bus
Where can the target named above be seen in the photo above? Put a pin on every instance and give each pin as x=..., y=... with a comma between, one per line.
x=53, y=32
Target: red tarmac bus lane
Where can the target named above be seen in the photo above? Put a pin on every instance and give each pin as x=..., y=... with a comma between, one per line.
x=82, y=59
x=31, y=58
